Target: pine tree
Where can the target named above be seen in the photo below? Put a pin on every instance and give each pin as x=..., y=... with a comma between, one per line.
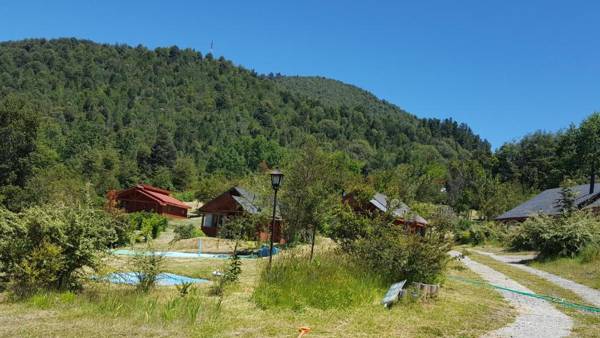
x=163, y=152
x=566, y=201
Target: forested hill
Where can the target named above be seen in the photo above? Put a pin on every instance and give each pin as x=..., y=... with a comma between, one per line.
x=336, y=93
x=117, y=115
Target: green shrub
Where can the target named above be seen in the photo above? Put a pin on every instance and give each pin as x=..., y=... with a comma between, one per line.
x=184, y=195
x=49, y=247
x=476, y=233
x=185, y=231
x=590, y=253
x=330, y=280
x=147, y=265
x=233, y=269
x=564, y=236
x=390, y=250
x=148, y=225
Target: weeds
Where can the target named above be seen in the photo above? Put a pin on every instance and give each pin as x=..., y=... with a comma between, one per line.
x=331, y=280
x=184, y=288
x=147, y=266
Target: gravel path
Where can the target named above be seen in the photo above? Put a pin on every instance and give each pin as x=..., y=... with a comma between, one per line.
x=592, y=296
x=535, y=317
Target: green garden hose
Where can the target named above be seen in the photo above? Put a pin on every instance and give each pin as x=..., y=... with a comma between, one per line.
x=552, y=299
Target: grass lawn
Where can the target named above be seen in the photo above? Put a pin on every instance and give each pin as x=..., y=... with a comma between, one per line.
x=499, y=250
x=208, y=244
x=572, y=268
x=586, y=324
x=109, y=310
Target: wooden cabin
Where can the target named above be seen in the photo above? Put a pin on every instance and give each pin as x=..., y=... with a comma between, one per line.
x=233, y=203
x=144, y=197
x=587, y=197
x=380, y=203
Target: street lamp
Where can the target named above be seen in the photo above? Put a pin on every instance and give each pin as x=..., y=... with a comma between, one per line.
x=276, y=179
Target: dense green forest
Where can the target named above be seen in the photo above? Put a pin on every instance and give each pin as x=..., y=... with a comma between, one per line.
x=77, y=116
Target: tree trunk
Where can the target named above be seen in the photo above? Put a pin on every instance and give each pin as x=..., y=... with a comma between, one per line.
x=312, y=244
x=593, y=177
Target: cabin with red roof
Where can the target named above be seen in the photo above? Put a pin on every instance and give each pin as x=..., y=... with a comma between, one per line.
x=144, y=197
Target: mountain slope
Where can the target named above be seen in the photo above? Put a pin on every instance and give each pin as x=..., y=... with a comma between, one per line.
x=110, y=111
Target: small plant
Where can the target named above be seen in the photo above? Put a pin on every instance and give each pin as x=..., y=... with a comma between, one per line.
x=231, y=275
x=147, y=266
x=234, y=270
x=185, y=288
x=590, y=253
x=186, y=231
x=147, y=225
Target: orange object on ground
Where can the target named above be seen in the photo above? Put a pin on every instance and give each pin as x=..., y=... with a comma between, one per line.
x=303, y=330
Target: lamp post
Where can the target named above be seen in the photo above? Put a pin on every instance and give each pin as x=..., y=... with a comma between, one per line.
x=276, y=179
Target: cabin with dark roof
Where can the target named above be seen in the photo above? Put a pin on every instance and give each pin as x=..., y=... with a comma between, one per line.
x=233, y=203
x=546, y=203
x=144, y=197
x=380, y=203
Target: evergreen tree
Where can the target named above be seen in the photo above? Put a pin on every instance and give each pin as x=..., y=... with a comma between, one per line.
x=566, y=201
x=163, y=152
x=588, y=144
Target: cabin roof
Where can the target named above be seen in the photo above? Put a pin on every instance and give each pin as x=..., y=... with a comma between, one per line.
x=381, y=202
x=546, y=202
x=247, y=200
x=161, y=196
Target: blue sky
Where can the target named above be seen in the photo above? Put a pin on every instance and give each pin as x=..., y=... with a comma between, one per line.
x=506, y=68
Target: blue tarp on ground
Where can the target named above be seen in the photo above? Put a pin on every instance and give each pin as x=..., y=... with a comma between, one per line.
x=264, y=251
x=175, y=254
x=164, y=279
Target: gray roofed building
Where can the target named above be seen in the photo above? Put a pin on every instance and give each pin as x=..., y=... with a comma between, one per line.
x=381, y=202
x=546, y=203
x=234, y=202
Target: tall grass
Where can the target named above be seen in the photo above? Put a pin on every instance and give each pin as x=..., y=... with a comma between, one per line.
x=330, y=281
x=195, y=308
x=590, y=253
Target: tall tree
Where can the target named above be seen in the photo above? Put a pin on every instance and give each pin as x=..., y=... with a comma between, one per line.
x=163, y=152
x=588, y=145
x=18, y=130
x=313, y=184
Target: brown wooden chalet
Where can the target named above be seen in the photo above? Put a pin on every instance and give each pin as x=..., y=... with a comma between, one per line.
x=381, y=204
x=233, y=203
x=144, y=197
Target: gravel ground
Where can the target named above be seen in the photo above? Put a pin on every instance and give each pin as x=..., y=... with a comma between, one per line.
x=592, y=296
x=535, y=317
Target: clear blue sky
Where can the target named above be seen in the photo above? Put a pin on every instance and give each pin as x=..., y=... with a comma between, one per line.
x=504, y=67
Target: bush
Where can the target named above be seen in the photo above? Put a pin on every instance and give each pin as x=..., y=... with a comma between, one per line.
x=147, y=225
x=49, y=247
x=146, y=265
x=564, y=236
x=390, y=250
x=233, y=269
x=590, y=253
x=476, y=233
x=185, y=231
x=330, y=280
